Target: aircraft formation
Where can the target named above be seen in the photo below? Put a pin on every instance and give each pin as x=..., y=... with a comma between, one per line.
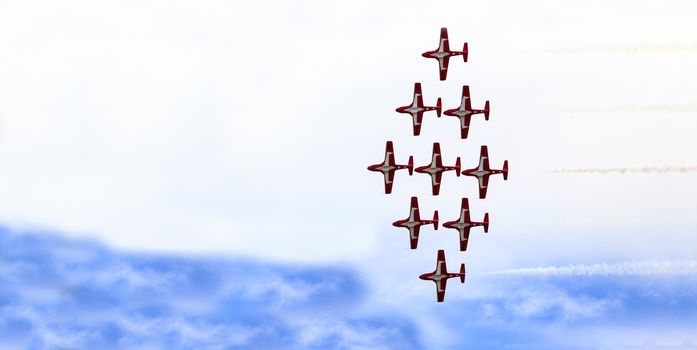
x=435, y=169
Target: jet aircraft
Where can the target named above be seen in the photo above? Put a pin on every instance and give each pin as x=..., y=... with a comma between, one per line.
x=416, y=109
x=440, y=276
x=464, y=224
x=443, y=53
x=414, y=222
x=483, y=171
x=388, y=166
x=465, y=112
x=436, y=168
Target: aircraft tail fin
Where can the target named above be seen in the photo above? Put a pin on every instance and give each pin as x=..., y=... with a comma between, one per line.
x=462, y=273
x=486, y=223
x=410, y=165
x=439, y=106
x=505, y=170
x=435, y=220
x=464, y=52
x=486, y=110
x=458, y=167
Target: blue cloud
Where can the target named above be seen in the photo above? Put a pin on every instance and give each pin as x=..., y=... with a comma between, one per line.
x=62, y=294
x=571, y=312
x=57, y=293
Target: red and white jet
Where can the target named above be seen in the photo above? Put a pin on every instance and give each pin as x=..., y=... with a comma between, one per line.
x=436, y=168
x=443, y=53
x=465, y=112
x=388, y=167
x=483, y=171
x=413, y=223
x=440, y=275
x=417, y=108
x=463, y=224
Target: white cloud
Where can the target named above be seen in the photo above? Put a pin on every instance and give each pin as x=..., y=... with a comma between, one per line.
x=47, y=334
x=648, y=336
x=222, y=127
x=350, y=336
x=640, y=268
x=539, y=303
x=10, y=270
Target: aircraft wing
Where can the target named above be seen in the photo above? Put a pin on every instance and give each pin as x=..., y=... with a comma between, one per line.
x=465, y=209
x=440, y=289
x=464, y=238
x=389, y=180
x=466, y=98
x=484, y=159
x=418, y=100
x=443, y=65
x=389, y=154
x=465, y=126
x=416, y=120
x=435, y=182
x=440, y=262
x=414, y=209
x=437, y=155
x=483, y=185
x=444, y=46
x=414, y=236
x=441, y=270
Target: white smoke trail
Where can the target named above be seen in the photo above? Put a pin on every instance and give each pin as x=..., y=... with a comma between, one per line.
x=623, y=170
x=637, y=268
x=635, y=109
x=676, y=48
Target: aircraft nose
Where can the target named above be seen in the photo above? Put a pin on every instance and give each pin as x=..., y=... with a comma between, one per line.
x=424, y=276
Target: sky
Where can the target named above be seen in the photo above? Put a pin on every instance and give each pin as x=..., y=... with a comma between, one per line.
x=197, y=169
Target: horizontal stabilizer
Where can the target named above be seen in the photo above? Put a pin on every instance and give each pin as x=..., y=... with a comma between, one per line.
x=458, y=167
x=435, y=220
x=464, y=52
x=439, y=106
x=410, y=165
x=486, y=223
x=505, y=170
x=486, y=110
x=462, y=273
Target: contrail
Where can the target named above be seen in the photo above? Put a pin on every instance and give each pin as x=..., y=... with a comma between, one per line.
x=636, y=268
x=685, y=48
x=623, y=170
x=636, y=109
